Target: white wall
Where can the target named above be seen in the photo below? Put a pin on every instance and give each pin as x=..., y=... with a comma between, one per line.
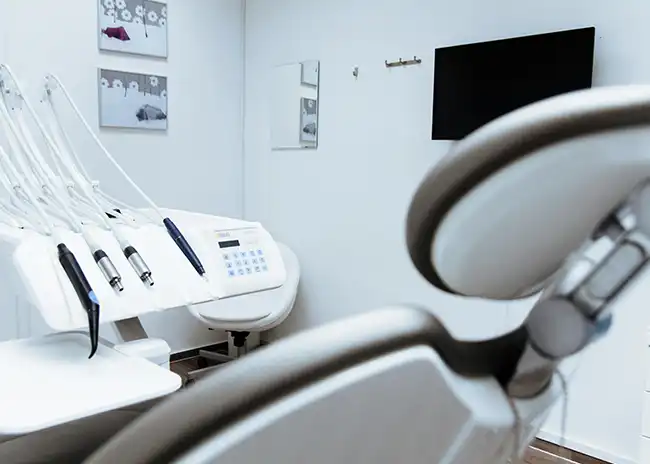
x=342, y=207
x=197, y=164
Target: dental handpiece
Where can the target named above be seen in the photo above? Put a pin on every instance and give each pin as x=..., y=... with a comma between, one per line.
x=108, y=269
x=133, y=257
x=184, y=245
x=138, y=265
x=85, y=293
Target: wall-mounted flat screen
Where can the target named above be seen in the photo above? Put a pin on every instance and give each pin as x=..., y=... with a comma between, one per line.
x=476, y=83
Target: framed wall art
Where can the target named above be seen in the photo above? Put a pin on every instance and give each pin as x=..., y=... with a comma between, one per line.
x=133, y=26
x=132, y=100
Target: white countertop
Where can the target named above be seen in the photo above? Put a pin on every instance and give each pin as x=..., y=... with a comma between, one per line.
x=50, y=380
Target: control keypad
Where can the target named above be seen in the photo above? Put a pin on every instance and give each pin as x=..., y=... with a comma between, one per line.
x=241, y=263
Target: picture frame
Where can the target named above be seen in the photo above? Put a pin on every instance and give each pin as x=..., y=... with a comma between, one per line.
x=132, y=100
x=308, y=121
x=137, y=27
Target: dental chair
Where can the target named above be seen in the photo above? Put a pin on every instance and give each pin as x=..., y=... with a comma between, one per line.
x=59, y=406
x=500, y=218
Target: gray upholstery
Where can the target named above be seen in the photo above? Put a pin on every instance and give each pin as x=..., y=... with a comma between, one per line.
x=244, y=385
x=505, y=140
x=247, y=385
x=71, y=442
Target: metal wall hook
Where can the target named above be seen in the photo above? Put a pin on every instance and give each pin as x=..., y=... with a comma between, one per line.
x=401, y=62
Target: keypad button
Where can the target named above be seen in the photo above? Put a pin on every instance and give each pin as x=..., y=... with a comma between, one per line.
x=262, y=260
x=242, y=254
x=265, y=268
x=228, y=265
x=259, y=253
x=249, y=270
x=240, y=272
x=238, y=263
x=251, y=253
x=226, y=256
x=231, y=273
x=245, y=262
x=254, y=261
x=258, y=269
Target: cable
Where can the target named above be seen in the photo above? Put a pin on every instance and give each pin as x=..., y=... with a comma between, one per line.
x=111, y=205
x=18, y=188
x=28, y=175
x=79, y=175
x=27, y=183
x=42, y=172
x=52, y=183
x=16, y=135
x=66, y=138
x=172, y=229
x=565, y=412
x=102, y=147
x=42, y=177
x=22, y=144
x=8, y=210
x=59, y=151
x=37, y=160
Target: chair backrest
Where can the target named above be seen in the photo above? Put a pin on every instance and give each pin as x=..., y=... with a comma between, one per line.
x=249, y=388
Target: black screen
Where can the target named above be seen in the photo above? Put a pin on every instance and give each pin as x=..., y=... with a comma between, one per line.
x=477, y=83
x=229, y=244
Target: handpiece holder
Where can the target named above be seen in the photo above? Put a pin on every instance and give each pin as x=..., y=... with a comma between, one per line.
x=178, y=284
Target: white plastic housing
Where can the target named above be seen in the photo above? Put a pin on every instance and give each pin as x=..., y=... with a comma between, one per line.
x=50, y=381
x=514, y=229
x=154, y=350
x=177, y=284
x=405, y=407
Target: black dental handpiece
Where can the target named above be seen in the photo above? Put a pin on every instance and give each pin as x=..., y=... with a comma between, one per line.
x=84, y=292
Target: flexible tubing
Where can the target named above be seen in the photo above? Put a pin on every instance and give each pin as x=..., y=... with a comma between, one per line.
x=103, y=148
x=36, y=159
x=78, y=173
x=111, y=201
x=47, y=184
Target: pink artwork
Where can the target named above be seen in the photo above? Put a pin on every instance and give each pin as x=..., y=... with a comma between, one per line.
x=133, y=26
x=116, y=33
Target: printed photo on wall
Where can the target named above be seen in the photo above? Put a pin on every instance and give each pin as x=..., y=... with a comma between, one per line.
x=133, y=26
x=308, y=120
x=132, y=100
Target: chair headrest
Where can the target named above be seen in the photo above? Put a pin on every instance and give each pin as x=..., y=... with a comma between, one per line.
x=463, y=246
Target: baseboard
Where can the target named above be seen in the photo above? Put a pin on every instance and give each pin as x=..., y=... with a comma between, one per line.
x=535, y=455
x=584, y=449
